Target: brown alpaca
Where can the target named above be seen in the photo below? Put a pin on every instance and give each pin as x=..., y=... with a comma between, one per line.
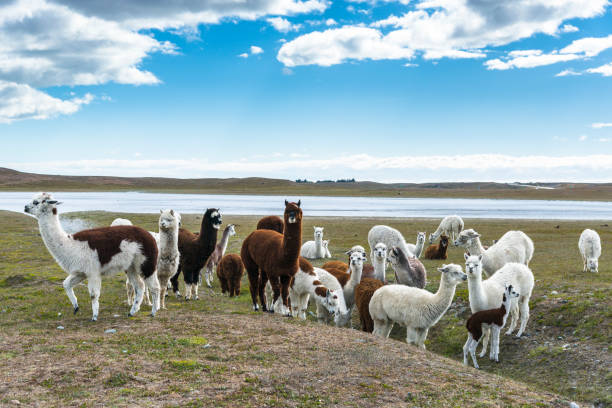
x=230, y=271
x=343, y=266
x=368, y=272
x=270, y=255
x=271, y=222
x=437, y=251
x=363, y=294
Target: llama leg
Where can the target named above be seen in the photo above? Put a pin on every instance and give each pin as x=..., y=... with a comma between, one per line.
x=152, y=284
x=163, y=287
x=94, y=284
x=175, y=282
x=263, y=280
x=285, y=281
x=422, y=336
x=70, y=282
x=485, y=341
x=195, y=291
x=276, y=290
x=208, y=276
x=473, y=346
x=466, y=349
x=138, y=285
x=494, y=341
x=524, y=308
x=514, y=314
x=253, y=276
x=129, y=289
x=411, y=335
x=147, y=296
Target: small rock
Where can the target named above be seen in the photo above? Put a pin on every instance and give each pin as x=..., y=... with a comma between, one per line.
x=360, y=340
x=60, y=327
x=59, y=314
x=560, y=338
x=124, y=351
x=16, y=402
x=116, y=315
x=565, y=346
x=565, y=301
x=207, y=345
x=574, y=405
x=110, y=331
x=554, y=292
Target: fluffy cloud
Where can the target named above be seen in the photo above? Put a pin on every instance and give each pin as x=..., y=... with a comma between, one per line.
x=335, y=46
x=256, y=50
x=528, y=59
x=600, y=125
x=447, y=28
x=19, y=101
x=589, y=46
x=568, y=28
x=605, y=70
x=568, y=72
x=283, y=25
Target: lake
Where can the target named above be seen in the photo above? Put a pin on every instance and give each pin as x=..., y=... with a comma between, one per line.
x=313, y=206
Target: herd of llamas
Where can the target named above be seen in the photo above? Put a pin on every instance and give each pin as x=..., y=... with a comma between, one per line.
x=282, y=279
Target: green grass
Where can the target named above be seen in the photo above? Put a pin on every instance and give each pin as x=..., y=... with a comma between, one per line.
x=33, y=304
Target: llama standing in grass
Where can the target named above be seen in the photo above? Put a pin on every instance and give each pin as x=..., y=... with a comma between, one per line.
x=417, y=309
x=271, y=222
x=93, y=253
x=590, y=249
x=417, y=250
x=390, y=237
x=168, y=260
x=408, y=270
x=195, y=250
x=366, y=288
x=487, y=294
x=306, y=284
x=492, y=319
x=269, y=255
x=437, y=251
x=314, y=249
x=450, y=226
x=513, y=246
x=230, y=271
x=217, y=254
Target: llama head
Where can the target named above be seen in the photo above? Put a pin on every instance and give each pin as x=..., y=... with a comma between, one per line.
x=331, y=301
x=318, y=232
x=443, y=241
x=326, y=243
x=380, y=252
x=42, y=204
x=356, y=248
x=169, y=220
x=357, y=259
x=466, y=238
x=397, y=257
x=293, y=212
x=473, y=265
x=593, y=265
x=510, y=293
x=342, y=315
x=421, y=237
x=213, y=217
x=231, y=230
x=452, y=274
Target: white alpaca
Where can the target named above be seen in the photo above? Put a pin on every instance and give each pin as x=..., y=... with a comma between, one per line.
x=214, y=258
x=356, y=260
x=513, y=246
x=417, y=250
x=315, y=249
x=379, y=261
x=326, y=247
x=417, y=309
x=485, y=320
x=306, y=285
x=168, y=260
x=98, y=252
x=390, y=237
x=342, y=316
x=487, y=294
x=590, y=249
x=450, y=226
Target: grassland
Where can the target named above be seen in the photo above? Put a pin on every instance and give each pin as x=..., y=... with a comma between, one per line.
x=11, y=180
x=216, y=352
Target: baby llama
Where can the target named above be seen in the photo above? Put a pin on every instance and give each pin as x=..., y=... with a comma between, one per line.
x=417, y=309
x=230, y=271
x=314, y=249
x=94, y=253
x=492, y=319
x=437, y=251
x=590, y=249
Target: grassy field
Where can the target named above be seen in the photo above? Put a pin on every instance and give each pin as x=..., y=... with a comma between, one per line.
x=216, y=352
x=11, y=180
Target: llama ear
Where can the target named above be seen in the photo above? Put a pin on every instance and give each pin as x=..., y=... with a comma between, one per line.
x=480, y=257
x=53, y=202
x=161, y=211
x=348, y=252
x=299, y=203
x=466, y=256
x=286, y=203
x=314, y=228
x=442, y=269
x=172, y=212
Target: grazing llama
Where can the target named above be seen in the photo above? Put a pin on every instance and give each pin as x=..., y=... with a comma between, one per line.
x=450, y=226
x=94, y=253
x=390, y=237
x=492, y=319
x=195, y=250
x=271, y=222
x=590, y=249
x=230, y=271
x=270, y=255
x=417, y=309
x=306, y=284
x=217, y=254
x=168, y=260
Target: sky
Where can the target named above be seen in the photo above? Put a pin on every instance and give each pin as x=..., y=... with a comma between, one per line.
x=382, y=90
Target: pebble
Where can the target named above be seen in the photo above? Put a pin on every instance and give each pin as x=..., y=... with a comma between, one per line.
x=116, y=315
x=565, y=346
x=554, y=292
x=360, y=340
x=110, y=331
x=207, y=345
x=59, y=314
x=16, y=402
x=124, y=351
x=60, y=327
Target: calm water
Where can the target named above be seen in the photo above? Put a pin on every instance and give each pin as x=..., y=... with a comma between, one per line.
x=133, y=202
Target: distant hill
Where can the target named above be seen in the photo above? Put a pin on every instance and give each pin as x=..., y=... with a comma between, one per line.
x=12, y=180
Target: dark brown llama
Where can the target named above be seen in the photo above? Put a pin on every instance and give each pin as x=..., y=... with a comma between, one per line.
x=195, y=250
x=230, y=271
x=271, y=222
x=437, y=251
x=363, y=294
x=270, y=255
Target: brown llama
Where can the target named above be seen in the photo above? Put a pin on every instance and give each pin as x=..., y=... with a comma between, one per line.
x=270, y=255
x=343, y=266
x=338, y=266
x=363, y=293
x=437, y=251
x=271, y=222
x=194, y=251
x=230, y=271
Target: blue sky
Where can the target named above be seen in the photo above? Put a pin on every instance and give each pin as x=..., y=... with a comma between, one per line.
x=440, y=90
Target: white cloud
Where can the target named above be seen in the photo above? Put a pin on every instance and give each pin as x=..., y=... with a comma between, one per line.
x=330, y=22
x=243, y=55
x=600, y=125
x=256, y=50
x=605, y=139
x=20, y=101
x=589, y=46
x=334, y=46
x=605, y=70
x=452, y=54
x=568, y=72
x=283, y=25
x=528, y=59
x=568, y=28
x=410, y=65
x=287, y=71
x=582, y=138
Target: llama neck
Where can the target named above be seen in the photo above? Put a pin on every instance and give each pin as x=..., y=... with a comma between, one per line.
x=355, y=278
x=475, y=248
x=53, y=235
x=419, y=248
x=380, y=266
x=442, y=300
x=168, y=242
x=292, y=240
x=224, y=241
x=319, y=250
x=477, y=294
